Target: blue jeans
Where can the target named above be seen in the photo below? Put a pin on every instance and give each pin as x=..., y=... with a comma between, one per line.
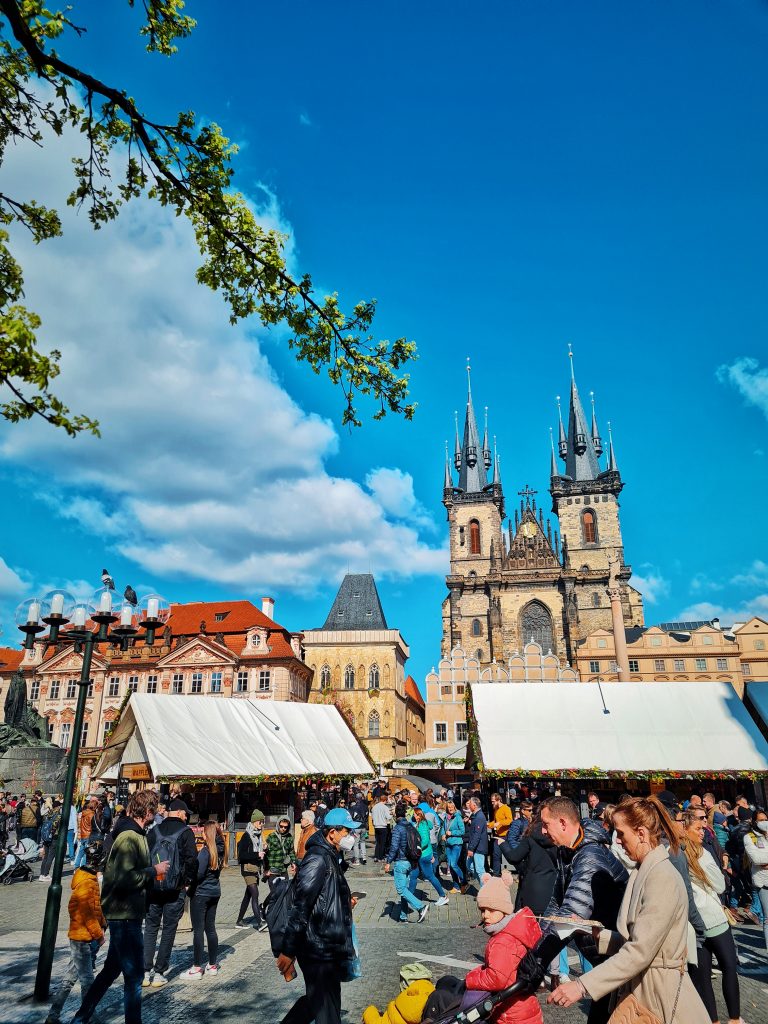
x=427, y=870
x=70, y=844
x=402, y=872
x=82, y=846
x=125, y=956
x=762, y=895
x=453, y=853
x=82, y=959
x=475, y=866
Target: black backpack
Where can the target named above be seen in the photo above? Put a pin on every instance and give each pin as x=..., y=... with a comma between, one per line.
x=277, y=910
x=412, y=844
x=168, y=848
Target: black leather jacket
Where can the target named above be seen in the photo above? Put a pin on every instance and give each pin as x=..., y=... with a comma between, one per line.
x=320, y=922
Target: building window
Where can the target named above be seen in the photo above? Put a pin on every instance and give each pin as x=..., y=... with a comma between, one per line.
x=242, y=682
x=589, y=526
x=34, y=690
x=477, y=629
x=701, y=664
x=349, y=678
x=373, y=724
x=679, y=665
x=601, y=643
x=746, y=669
x=441, y=732
x=84, y=735
x=634, y=665
x=461, y=732
x=255, y=640
x=536, y=625
x=595, y=600
x=220, y=616
x=325, y=677
x=373, y=677
x=54, y=689
x=474, y=537
x=722, y=664
x=459, y=689
x=197, y=682
x=479, y=654
x=177, y=683
x=446, y=690
x=107, y=731
x=113, y=689
x=655, y=641
x=708, y=639
x=215, y=682
x=594, y=666
x=151, y=684
x=133, y=684
x=90, y=689
x=50, y=730
x=659, y=665
x=264, y=679
x=66, y=732
x=759, y=645
x=614, y=666
x=71, y=689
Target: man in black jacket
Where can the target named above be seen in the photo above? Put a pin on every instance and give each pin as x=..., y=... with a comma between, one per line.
x=590, y=883
x=319, y=929
x=166, y=905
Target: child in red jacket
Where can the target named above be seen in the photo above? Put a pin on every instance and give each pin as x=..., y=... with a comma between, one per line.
x=511, y=936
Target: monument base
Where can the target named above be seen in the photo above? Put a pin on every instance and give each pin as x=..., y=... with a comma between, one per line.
x=25, y=769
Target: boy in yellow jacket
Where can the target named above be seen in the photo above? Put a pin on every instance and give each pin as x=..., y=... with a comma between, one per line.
x=86, y=931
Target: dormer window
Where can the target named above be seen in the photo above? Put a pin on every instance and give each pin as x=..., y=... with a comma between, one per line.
x=220, y=616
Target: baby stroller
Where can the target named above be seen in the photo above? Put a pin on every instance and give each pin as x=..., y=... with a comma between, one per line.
x=17, y=861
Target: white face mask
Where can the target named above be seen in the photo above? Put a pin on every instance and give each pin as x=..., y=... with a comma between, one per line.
x=347, y=843
x=763, y=826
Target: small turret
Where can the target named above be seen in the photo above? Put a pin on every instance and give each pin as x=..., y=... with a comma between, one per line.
x=553, y=463
x=597, y=441
x=457, y=449
x=486, y=449
x=447, y=481
x=562, y=443
x=612, y=464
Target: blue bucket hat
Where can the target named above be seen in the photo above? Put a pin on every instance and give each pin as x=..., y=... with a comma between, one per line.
x=340, y=817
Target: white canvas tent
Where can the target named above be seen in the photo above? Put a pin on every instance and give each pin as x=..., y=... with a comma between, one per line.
x=217, y=739
x=640, y=730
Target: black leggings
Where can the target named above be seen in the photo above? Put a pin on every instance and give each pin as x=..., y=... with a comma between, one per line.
x=724, y=949
x=202, y=910
x=251, y=896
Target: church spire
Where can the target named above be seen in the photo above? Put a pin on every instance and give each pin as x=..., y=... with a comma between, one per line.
x=553, y=462
x=597, y=441
x=447, y=481
x=612, y=465
x=472, y=469
x=562, y=443
x=496, y=465
x=581, y=458
x=457, y=448
x=486, y=449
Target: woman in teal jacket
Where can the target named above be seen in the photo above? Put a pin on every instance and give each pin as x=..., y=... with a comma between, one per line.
x=454, y=839
x=426, y=867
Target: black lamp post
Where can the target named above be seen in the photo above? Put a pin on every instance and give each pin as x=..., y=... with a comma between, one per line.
x=73, y=623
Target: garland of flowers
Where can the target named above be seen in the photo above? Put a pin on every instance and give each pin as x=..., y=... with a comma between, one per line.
x=285, y=780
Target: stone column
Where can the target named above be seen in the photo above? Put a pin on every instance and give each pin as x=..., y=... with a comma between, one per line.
x=619, y=636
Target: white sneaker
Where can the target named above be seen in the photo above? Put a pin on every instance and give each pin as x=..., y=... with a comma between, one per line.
x=159, y=979
x=423, y=912
x=212, y=969
x=147, y=979
x=442, y=902
x=44, y=878
x=193, y=974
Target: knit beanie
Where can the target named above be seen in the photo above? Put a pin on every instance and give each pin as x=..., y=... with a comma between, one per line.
x=257, y=815
x=494, y=895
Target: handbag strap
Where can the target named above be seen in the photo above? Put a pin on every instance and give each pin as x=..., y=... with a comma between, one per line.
x=677, y=996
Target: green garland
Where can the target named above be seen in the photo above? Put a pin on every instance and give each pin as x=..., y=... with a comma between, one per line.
x=293, y=780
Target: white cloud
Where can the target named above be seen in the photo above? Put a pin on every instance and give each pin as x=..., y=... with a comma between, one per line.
x=755, y=576
x=651, y=584
x=728, y=613
x=750, y=380
x=305, y=120
x=207, y=468
x=11, y=584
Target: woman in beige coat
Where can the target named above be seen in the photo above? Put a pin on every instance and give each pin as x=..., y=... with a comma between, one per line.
x=648, y=953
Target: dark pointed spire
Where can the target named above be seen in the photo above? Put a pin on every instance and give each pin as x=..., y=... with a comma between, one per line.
x=496, y=465
x=562, y=443
x=553, y=462
x=486, y=449
x=581, y=459
x=597, y=441
x=612, y=465
x=472, y=472
x=457, y=449
x=447, y=481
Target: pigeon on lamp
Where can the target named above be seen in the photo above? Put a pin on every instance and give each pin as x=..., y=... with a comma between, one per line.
x=130, y=596
x=106, y=580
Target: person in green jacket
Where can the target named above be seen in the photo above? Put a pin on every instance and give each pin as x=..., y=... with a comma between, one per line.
x=281, y=855
x=127, y=875
x=426, y=865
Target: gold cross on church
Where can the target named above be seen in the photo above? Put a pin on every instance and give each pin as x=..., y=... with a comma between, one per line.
x=527, y=493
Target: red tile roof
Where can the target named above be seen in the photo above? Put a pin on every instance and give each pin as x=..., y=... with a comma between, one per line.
x=10, y=658
x=412, y=691
x=239, y=616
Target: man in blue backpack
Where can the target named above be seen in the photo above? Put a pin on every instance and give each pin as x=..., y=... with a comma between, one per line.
x=174, y=841
x=403, y=864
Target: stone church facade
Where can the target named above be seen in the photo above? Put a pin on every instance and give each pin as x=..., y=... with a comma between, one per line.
x=520, y=580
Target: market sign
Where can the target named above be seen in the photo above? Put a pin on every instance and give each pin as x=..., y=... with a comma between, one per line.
x=138, y=772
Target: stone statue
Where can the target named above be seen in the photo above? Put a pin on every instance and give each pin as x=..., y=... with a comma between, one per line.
x=23, y=727
x=614, y=565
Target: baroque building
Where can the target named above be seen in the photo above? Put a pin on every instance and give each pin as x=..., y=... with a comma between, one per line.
x=519, y=580
x=359, y=665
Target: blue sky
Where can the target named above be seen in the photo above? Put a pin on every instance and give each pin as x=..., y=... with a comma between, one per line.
x=504, y=179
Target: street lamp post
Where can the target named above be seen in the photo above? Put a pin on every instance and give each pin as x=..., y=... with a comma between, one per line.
x=70, y=622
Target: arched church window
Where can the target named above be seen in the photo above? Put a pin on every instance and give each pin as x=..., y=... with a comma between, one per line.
x=589, y=527
x=373, y=724
x=596, y=600
x=474, y=537
x=477, y=629
x=373, y=679
x=349, y=678
x=479, y=655
x=536, y=625
x=325, y=677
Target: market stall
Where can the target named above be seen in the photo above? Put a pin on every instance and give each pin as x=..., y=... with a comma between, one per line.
x=613, y=735
x=228, y=757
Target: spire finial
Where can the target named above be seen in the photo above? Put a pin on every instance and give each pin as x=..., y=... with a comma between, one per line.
x=570, y=356
x=469, y=382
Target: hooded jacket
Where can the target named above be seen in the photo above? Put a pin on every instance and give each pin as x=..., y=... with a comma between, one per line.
x=127, y=874
x=320, y=923
x=536, y=868
x=502, y=956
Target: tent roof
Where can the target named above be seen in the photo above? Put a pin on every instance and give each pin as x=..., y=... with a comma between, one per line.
x=652, y=729
x=756, y=697
x=435, y=757
x=203, y=738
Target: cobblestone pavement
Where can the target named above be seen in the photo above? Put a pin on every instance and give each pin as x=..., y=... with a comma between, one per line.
x=249, y=987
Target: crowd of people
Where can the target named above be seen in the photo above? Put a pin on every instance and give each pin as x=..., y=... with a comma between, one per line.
x=645, y=893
